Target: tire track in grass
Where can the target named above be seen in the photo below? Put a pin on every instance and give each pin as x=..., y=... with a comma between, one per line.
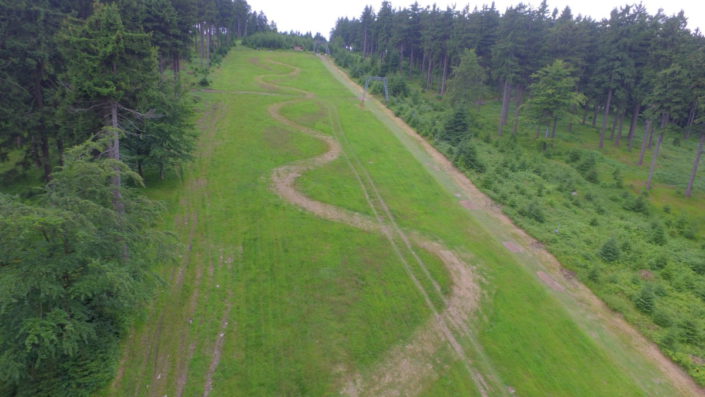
x=411, y=364
x=224, y=322
x=455, y=314
x=152, y=352
x=187, y=347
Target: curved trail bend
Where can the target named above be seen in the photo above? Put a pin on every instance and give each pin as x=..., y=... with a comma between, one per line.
x=405, y=369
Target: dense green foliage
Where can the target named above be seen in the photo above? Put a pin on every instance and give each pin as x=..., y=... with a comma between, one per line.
x=87, y=98
x=641, y=253
x=553, y=96
x=46, y=109
x=623, y=65
x=72, y=272
x=273, y=40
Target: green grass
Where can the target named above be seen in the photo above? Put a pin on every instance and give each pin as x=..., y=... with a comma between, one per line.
x=580, y=213
x=309, y=301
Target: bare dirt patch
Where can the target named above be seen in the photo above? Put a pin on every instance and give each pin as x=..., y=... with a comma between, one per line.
x=471, y=205
x=512, y=246
x=550, y=281
x=217, y=352
x=407, y=368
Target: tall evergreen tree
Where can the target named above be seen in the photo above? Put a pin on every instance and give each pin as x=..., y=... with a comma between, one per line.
x=553, y=96
x=107, y=68
x=67, y=291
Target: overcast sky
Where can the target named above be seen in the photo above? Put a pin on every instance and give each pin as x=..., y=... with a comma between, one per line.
x=320, y=15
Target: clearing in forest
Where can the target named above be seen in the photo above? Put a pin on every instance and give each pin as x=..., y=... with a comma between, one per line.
x=329, y=250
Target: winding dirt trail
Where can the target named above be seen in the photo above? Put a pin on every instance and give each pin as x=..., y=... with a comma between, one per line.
x=405, y=369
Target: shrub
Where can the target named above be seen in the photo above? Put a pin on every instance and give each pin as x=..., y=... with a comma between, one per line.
x=594, y=274
x=689, y=331
x=455, y=128
x=662, y=318
x=398, y=86
x=637, y=205
x=591, y=176
x=644, y=301
x=610, y=251
x=658, y=262
x=466, y=157
x=658, y=234
x=617, y=175
x=574, y=156
x=533, y=211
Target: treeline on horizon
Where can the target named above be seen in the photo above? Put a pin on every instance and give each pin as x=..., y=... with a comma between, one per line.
x=493, y=91
x=94, y=97
x=631, y=65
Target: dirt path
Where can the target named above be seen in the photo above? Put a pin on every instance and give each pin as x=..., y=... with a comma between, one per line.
x=406, y=369
x=550, y=266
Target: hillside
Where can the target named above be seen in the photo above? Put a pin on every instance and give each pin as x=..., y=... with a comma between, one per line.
x=328, y=250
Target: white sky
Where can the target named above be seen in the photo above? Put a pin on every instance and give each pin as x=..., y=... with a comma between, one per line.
x=320, y=15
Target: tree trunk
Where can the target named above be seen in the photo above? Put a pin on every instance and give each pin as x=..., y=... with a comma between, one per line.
x=632, y=125
x=517, y=110
x=653, y=161
x=538, y=132
x=46, y=161
x=594, y=116
x=506, y=95
x=43, y=156
x=651, y=137
x=35, y=150
x=691, y=119
x=445, y=74
x=618, y=139
x=175, y=66
x=647, y=133
x=696, y=163
x=614, y=127
x=60, y=149
x=208, y=45
x=401, y=58
x=429, y=74
x=665, y=118
x=114, y=154
x=604, y=119
x=553, y=128
x=201, y=50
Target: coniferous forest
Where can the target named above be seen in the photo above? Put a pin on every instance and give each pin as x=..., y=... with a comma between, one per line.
x=588, y=133
x=567, y=122
x=93, y=102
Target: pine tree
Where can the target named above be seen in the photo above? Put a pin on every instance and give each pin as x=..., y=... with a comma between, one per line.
x=67, y=291
x=467, y=81
x=107, y=69
x=553, y=95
